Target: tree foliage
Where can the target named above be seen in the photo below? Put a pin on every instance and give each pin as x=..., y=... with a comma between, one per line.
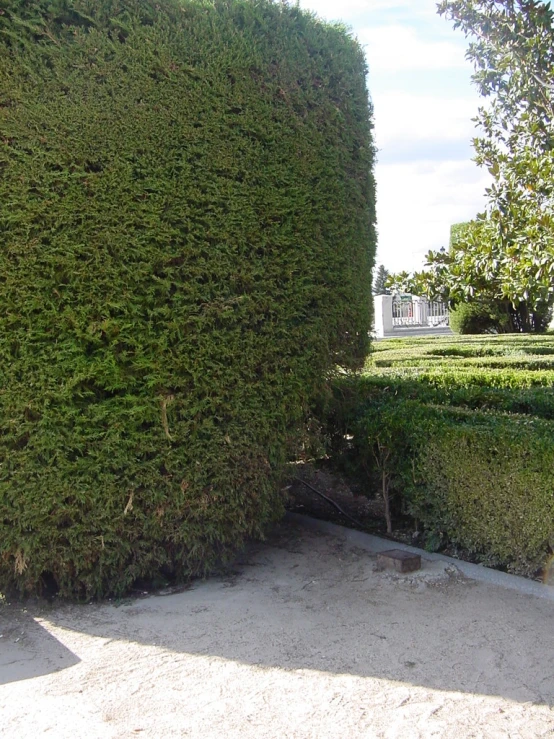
x=410, y=283
x=509, y=251
x=187, y=219
x=473, y=271
x=380, y=284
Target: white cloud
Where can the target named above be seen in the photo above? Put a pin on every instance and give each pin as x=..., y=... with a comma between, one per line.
x=421, y=189
x=416, y=205
x=332, y=10
x=346, y=9
x=401, y=116
x=426, y=180
x=400, y=48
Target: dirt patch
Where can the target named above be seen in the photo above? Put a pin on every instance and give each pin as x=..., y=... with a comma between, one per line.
x=368, y=514
x=359, y=511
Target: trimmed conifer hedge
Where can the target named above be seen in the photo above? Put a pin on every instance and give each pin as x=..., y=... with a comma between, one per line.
x=187, y=220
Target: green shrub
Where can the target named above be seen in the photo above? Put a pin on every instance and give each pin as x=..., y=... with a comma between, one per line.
x=501, y=362
x=478, y=318
x=498, y=317
x=187, y=204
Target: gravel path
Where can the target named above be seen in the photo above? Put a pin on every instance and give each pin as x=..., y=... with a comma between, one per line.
x=305, y=639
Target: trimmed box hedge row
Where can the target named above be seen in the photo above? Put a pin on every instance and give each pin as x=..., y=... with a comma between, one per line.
x=467, y=454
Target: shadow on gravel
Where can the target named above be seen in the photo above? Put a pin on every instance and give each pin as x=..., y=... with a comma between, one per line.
x=309, y=601
x=27, y=649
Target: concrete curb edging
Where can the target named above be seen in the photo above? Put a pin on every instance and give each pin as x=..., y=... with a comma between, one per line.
x=376, y=544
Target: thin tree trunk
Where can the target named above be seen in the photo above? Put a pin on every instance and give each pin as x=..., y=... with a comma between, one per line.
x=523, y=312
x=385, y=483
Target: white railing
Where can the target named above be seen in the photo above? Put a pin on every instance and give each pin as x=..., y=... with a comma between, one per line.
x=408, y=310
x=438, y=314
x=404, y=311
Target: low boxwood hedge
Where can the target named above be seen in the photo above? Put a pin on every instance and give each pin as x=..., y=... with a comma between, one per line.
x=483, y=481
x=466, y=452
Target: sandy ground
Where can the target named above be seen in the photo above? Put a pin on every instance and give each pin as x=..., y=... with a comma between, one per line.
x=305, y=639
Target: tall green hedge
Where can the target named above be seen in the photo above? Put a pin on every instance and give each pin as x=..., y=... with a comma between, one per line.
x=187, y=220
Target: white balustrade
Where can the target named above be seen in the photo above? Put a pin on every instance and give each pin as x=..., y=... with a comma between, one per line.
x=404, y=311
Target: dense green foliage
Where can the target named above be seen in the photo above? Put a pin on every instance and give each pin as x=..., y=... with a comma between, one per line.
x=400, y=282
x=478, y=317
x=487, y=305
x=470, y=274
x=465, y=431
x=187, y=204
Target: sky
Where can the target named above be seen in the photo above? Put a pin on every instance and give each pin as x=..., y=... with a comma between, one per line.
x=424, y=102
